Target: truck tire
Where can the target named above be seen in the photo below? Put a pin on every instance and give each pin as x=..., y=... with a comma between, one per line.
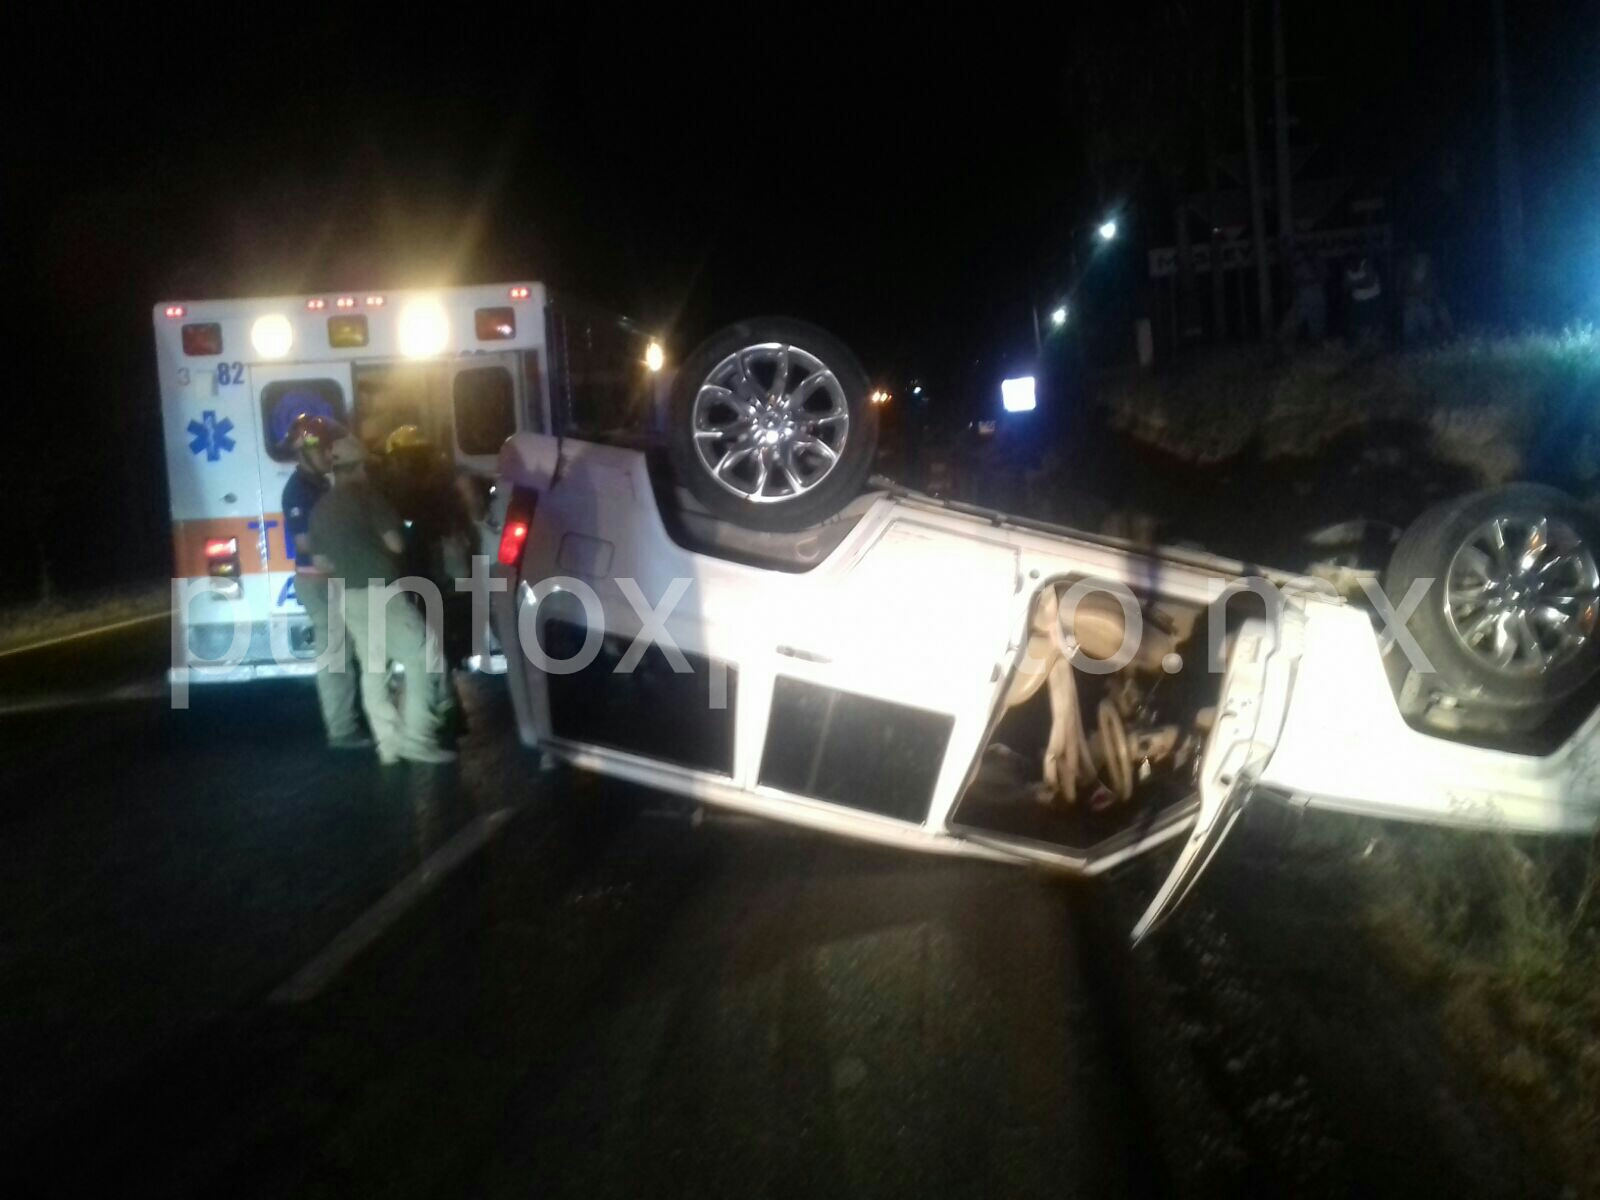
x=771, y=424
x=1509, y=619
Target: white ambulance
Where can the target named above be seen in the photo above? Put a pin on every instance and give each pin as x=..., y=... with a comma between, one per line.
x=470, y=365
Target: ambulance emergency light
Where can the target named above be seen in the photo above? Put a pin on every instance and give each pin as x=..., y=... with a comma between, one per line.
x=272, y=335
x=424, y=328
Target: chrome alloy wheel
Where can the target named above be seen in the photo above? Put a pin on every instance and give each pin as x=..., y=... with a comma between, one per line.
x=1523, y=595
x=770, y=421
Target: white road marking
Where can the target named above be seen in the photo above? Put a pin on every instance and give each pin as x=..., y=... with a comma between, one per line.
x=83, y=633
x=154, y=689
x=309, y=981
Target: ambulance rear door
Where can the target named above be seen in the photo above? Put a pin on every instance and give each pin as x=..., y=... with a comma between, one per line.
x=214, y=488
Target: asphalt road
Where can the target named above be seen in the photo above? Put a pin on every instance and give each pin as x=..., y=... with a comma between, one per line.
x=608, y=997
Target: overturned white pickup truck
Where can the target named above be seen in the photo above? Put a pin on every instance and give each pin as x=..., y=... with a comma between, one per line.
x=748, y=628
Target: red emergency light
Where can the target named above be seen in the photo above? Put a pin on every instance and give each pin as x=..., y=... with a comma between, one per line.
x=221, y=547
x=520, y=293
x=345, y=302
x=176, y=311
x=374, y=301
x=316, y=305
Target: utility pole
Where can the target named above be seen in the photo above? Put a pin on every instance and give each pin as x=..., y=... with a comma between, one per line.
x=1280, y=88
x=1184, y=318
x=1513, y=251
x=1253, y=156
x=1219, y=305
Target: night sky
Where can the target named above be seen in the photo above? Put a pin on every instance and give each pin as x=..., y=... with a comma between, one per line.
x=905, y=182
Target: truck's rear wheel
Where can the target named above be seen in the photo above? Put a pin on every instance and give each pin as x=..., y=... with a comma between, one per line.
x=771, y=424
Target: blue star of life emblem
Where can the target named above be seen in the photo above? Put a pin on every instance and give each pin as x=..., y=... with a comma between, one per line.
x=210, y=435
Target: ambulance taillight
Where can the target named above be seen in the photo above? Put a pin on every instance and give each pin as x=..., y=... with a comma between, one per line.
x=222, y=558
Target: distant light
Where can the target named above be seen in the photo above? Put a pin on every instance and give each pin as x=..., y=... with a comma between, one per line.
x=654, y=356
x=1017, y=395
x=316, y=305
x=272, y=335
x=917, y=391
x=880, y=397
x=521, y=293
x=424, y=328
x=345, y=302
x=1108, y=230
x=1059, y=317
x=176, y=310
x=374, y=301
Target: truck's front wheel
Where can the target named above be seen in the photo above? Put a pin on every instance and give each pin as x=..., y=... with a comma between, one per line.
x=1510, y=617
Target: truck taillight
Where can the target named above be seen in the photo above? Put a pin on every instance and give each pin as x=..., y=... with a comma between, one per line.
x=512, y=538
x=518, y=521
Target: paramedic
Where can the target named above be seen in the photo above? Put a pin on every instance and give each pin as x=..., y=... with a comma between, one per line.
x=310, y=437
x=356, y=534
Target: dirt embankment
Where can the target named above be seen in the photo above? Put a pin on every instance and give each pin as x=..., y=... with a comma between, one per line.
x=1502, y=407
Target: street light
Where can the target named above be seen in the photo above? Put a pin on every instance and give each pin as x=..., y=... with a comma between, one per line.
x=1058, y=318
x=1108, y=229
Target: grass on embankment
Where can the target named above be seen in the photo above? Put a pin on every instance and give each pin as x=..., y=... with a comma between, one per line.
x=23, y=625
x=1502, y=937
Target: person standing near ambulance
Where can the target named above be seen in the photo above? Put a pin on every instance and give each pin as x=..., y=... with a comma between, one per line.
x=311, y=436
x=356, y=537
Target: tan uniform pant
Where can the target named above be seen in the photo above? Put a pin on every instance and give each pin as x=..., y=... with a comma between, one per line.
x=336, y=676
x=407, y=641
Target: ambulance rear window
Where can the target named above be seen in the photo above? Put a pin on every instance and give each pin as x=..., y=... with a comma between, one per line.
x=202, y=339
x=486, y=409
x=283, y=401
